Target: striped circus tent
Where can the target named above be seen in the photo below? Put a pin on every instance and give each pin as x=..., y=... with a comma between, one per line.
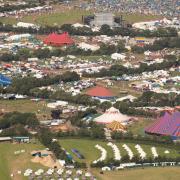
x=167, y=125
x=116, y=126
x=112, y=114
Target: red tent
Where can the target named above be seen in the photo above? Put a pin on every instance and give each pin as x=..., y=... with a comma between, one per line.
x=99, y=91
x=58, y=39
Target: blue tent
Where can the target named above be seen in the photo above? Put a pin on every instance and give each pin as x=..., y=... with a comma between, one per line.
x=4, y=81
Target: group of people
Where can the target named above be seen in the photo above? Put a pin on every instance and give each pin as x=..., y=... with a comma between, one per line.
x=156, y=7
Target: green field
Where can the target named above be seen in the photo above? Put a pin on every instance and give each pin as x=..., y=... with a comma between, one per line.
x=11, y=163
x=137, y=127
x=39, y=108
x=121, y=86
x=166, y=173
x=86, y=147
x=133, y=18
x=70, y=16
x=57, y=18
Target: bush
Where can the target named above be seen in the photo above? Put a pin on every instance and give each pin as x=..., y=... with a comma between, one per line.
x=13, y=118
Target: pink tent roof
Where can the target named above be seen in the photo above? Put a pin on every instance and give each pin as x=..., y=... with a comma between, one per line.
x=168, y=125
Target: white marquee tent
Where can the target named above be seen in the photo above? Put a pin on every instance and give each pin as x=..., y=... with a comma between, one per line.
x=111, y=115
x=117, y=56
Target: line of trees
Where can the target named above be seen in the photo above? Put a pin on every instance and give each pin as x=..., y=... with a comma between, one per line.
x=25, y=84
x=136, y=159
x=46, y=138
x=119, y=70
x=14, y=118
x=147, y=99
x=25, y=53
x=14, y=123
x=105, y=49
x=158, y=45
x=9, y=7
x=86, y=31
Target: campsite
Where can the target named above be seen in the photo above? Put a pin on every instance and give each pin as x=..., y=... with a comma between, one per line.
x=89, y=90
x=86, y=147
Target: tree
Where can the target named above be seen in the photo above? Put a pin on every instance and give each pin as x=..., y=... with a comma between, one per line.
x=105, y=29
x=67, y=28
x=16, y=130
x=105, y=105
x=13, y=118
x=42, y=53
x=120, y=47
x=125, y=158
x=107, y=49
x=45, y=136
x=70, y=76
x=137, y=49
x=24, y=53
x=97, y=131
x=7, y=57
x=55, y=114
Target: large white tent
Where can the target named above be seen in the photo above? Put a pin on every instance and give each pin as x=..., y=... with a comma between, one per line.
x=111, y=115
x=117, y=56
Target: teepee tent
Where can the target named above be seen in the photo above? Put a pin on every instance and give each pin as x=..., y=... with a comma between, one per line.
x=111, y=115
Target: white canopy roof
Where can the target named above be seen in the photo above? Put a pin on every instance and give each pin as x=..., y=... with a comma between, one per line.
x=111, y=115
x=118, y=56
x=130, y=97
x=86, y=46
x=26, y=25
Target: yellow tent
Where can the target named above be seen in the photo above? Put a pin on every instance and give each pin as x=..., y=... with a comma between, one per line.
x=116, y=126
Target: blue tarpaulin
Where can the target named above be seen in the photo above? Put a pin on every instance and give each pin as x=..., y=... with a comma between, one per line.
x=5, y=81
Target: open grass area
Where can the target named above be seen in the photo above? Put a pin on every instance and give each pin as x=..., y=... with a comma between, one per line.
x=39, y=107
x=11, y=163
x=137, y=127
x=137, y=17
x=166, y=173
x=60, y=17
x=56, y=18
x=86, y=147
x=121, y=88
